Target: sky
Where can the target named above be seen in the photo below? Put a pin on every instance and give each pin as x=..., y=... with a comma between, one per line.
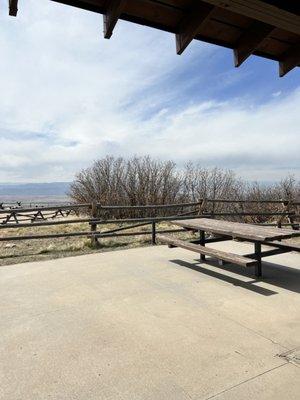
x=69, y=97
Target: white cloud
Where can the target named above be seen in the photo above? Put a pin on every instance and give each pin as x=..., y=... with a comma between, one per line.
x=276, y=94
x=69, y=96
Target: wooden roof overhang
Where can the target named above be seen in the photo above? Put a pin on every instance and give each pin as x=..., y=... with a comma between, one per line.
x=266, y=28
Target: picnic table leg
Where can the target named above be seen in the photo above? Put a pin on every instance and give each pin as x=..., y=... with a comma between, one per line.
x=202, y=243
x=257, y=250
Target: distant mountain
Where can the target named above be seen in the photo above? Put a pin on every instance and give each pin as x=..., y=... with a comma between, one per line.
x=59, y=189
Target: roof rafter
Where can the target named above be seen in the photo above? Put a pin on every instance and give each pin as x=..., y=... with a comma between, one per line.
x=244, y=26
x=13, y=7
x=261, y=11
x=191, y=24
x=290, y=60
x=250, y=40
x=113, y=11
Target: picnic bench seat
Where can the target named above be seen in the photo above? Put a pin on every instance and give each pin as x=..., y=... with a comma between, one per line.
x=197, y=248
x=258, y=235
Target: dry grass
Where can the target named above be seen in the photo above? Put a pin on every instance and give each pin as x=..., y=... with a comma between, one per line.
x=45, y=249
x=13, y=252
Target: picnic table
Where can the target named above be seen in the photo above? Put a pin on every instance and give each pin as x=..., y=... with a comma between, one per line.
x=226, y=230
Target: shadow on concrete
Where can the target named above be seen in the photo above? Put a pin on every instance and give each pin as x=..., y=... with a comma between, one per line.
x=281, y=276
x=249, y=285
x=274, y=274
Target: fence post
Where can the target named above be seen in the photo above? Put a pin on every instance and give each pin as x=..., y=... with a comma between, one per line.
x=290, y=216
x=94, y=240
x=202, y=204
x=153, y=232
x=281, y=217
x=242, y=209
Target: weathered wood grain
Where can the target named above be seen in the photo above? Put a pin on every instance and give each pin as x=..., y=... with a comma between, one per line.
x=237, y=229
x=220, y=255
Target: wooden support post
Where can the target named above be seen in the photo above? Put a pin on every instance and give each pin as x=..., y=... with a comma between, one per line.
x=15, y=218
x=281, y=217
x=202, y=206
x=153, y=232
x=213, y=210
x=191, y=24
x=242, y=209
x=13, y=7
x=286, y=207
x=289, y=60
x=94, y=240
x=110, y=18
x=250, y=40
x=202, y=243
x=11, y=215
x=37, y=215
x=291, y=217
x=257, y=252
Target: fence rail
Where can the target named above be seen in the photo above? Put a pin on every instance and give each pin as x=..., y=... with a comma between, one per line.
x=95, y=215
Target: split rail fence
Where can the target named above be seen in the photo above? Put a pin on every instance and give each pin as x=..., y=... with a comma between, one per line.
x=129, y=219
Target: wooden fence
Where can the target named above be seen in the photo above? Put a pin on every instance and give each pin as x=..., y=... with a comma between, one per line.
x=97, y=216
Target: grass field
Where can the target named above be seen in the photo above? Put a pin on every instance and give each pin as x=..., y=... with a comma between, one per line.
x=12, y=252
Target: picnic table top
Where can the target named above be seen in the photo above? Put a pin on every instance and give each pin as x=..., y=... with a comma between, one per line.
x=237, y=229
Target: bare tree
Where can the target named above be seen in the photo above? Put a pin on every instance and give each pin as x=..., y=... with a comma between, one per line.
x=288, y=188
x=144, y=180
x=135, y=181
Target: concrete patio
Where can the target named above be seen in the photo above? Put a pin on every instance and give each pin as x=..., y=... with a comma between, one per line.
x=150, y=324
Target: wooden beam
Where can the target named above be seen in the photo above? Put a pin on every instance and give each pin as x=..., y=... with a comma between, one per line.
x=191, y=24
x=250, y=40
x=263, y=12
x=110, y=17
x=290, y=60
x=208, y=251
x=13, y=7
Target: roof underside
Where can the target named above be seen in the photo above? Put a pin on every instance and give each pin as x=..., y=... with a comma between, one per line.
x=269, y=29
